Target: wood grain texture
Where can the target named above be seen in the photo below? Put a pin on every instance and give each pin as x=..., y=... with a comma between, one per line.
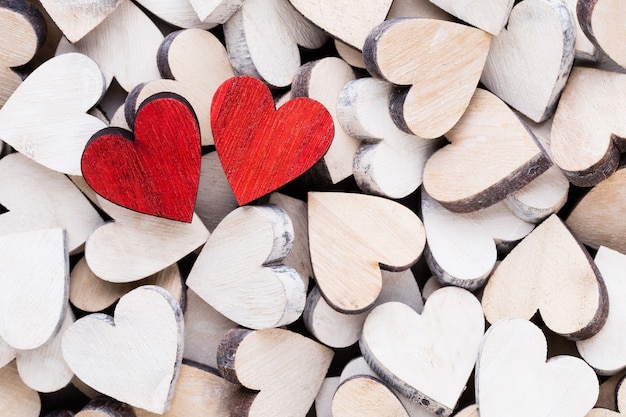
x=45, y=117
x=534, y=54
x=513, y=377
x=389, y=162
x=204, y=329
x=135, y=245
x=286, y=368
x=600, y=21
x=366, y=396
x=339, y=330
x=92, y=294
x=156, y=168
x=588, y=131
x=240, y=271
x=134, y=356
x=604, y=351
x=215, y=11
x=199, y=393
x=490, y=16
x=124, y=46
x=106, y=407
x=346, y=20
x=352, y=56
x=444, y=341
x=78, y=17
x=598, y=219
x=262, y=149
x=492, y=154
x=323, y=80
x=550, y=272
x=17, y=399
x=215, y=197
x=463, y=247
x=27, y=283
x=619, y=393
x=39, y=198
x=193, y=64
x=585, y=50
x=24, y=31
x=373, y=232
x=262, y=40
x=431, y=56
x=179, y=13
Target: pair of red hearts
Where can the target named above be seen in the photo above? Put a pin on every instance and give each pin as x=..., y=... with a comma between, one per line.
x=157, y=170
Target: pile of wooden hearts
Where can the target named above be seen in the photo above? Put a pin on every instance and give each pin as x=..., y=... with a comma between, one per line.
x=197, y=220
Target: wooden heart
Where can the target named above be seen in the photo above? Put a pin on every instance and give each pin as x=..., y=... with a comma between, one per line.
x=342, y=19
x=366, y=396
x=463, y=247
x=588, y=131
x=135, y=245
x=514, y=379
x=250, y=136
x=549, y=271
x=19, y=44
x=323, y=80
x=45, y=117
x=490, y=16
x=529, y=62
x=620, y=393
x=153, y=170
x=491, y=155
x=215, y=197
x=375, y=232
x=262, y=40
x=284, y=369
x=195, y=76
x=77, y=18
x=138, y=351
x=440, y=61
x=27, y=283
x=17, y=399
x=389, y=162
x=444, y=342
x=124, y=45
x=601, y=21
x=605, y=350
x=598, y=219
x=179, y=13
x=239, y=273
x=39, y=198
x=215, y=11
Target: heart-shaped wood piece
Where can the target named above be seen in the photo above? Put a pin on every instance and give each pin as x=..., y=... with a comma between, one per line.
x=375, y=232
x=19, y=44
x=530, y=60
x=366, y=396
x=490, y=16
x=514, y=379
x=154, y=170
x=549, y=271
x=77, y=18
x=138, y=352
x=26, y=283
x=285, y=369
x=440, y=61
x=601, y=21
x=45, y=118
x=620, y=393
x=262, y=149
x=492, y=154
x=342, y=19
x=17, y=398
x=238, y=271
x=444, y=342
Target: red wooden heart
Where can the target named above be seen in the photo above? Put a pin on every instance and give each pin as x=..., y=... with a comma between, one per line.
x=262, y=149
x=157, y=170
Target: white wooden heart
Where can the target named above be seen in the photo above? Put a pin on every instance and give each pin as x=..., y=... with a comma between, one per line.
x=39, y=198
x=345, y=19
x=529, y=62
x=490, y=16
x=367, y=396
x=215, y=197
x=136, y=245
x=427, y=357
x=35, y=279
x=239, y=271
x=134, y=356
x=77, y=18
x=514, y=379
x=45, y=118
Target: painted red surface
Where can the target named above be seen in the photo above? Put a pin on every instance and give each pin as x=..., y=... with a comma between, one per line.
x=157, y=170
x=262, y=149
